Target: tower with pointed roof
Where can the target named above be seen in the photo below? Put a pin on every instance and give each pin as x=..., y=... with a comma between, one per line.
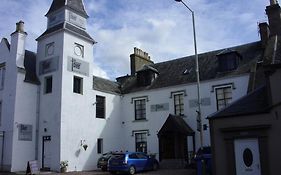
x=64, y=62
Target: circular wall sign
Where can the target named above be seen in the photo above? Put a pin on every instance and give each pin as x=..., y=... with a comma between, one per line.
x=248, y=157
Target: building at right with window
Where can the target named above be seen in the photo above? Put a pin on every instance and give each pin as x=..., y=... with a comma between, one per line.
x=245, y=135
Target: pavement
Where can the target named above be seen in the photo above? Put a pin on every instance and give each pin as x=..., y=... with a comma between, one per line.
x=158, y=172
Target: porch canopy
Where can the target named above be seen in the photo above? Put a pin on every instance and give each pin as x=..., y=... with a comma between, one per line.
x=175, y=124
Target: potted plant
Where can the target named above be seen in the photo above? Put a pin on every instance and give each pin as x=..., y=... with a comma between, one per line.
x=63, y=166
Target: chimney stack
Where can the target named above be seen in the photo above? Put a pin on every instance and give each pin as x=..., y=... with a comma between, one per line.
x=274, y=17
x=20, y=27
x=264, y=33
x=17, y=50
x=138, y=59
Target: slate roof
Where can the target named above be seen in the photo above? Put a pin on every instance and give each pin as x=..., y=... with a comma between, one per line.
x=6, y=42
x=30, y=67
x=174, y=72
x=76, y=5
x=70, y=28
x=177, y=124
x=254, y=103
x=105, y=85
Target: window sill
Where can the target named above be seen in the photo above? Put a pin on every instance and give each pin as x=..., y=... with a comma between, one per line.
x=101, y=118
x=142, y=120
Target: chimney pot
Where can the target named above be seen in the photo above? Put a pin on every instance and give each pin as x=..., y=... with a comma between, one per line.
x=272, y=2
x=20, y=27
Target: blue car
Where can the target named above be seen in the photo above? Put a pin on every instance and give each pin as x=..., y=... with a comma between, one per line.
x=131, y=162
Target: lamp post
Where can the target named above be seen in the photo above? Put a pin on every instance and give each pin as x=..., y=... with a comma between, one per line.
x=199, y=117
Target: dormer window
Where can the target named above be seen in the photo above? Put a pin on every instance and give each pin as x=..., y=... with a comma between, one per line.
x=228, y=60
x=146, y=75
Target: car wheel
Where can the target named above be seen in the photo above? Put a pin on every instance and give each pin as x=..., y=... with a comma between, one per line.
x=155, y=167
x=132, y=170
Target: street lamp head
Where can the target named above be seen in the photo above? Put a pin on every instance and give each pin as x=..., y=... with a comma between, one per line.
x=178, y=0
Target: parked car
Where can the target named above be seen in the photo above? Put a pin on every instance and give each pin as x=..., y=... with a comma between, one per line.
x=206, y=151
x=103, y=160
x=131, y=162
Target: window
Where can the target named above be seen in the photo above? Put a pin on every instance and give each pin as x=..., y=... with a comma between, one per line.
x=141, y=142
x=100, y=146
x=140, y=109
x=100, y=107
x=2, y=77
x=224, y=97
x=78, y=85
x=48, y=85
x=178, y=104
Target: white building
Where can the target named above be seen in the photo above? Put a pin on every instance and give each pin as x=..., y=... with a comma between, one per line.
x=52, y=106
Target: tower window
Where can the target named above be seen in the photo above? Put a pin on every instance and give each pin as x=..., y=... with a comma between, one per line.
x=78, y=85
x=48, y=85
x=100, y=107
x=100, y=146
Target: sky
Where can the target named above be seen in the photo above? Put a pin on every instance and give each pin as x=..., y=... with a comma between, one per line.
x=162, y=28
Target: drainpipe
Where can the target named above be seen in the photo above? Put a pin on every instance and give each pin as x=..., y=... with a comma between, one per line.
x=37, y=123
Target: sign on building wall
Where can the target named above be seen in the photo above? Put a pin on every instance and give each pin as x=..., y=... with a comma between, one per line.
x=77, y=20
x=25, y=132
x=49, y=65
x=160, y=107
x=204, y=102
x=78, y=66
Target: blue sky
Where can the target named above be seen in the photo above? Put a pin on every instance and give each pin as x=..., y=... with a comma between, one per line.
x=163, y=28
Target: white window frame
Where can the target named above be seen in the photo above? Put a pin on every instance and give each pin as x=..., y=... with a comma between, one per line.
x=145, y=99
x=174, y=102
x=224, y=99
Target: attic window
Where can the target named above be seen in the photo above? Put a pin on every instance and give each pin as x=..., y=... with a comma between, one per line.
x=228, y=60
x=146, y=75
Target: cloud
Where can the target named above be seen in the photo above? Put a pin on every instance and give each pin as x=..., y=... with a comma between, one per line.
x=163, y=28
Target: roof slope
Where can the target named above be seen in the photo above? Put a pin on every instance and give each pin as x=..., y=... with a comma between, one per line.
x=30, y=67
x=67, y=27
x=171, y=73
x=253, y=103
x=105, y=85
x=76, y=5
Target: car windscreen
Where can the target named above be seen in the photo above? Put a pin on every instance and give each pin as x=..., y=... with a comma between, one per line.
x=118, y=156
x=106, y=155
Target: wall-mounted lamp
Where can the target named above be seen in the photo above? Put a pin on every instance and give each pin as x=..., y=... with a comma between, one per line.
x=84, y=145
x=95, y=103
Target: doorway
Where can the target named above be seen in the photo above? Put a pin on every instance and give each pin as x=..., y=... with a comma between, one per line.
x=247, y=157
x=46, y=153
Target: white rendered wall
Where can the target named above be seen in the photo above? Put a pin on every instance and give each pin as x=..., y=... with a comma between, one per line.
x=25, y=113
x=155, y=120
x=50, y=104
x=7, y=98
x=78, y=117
